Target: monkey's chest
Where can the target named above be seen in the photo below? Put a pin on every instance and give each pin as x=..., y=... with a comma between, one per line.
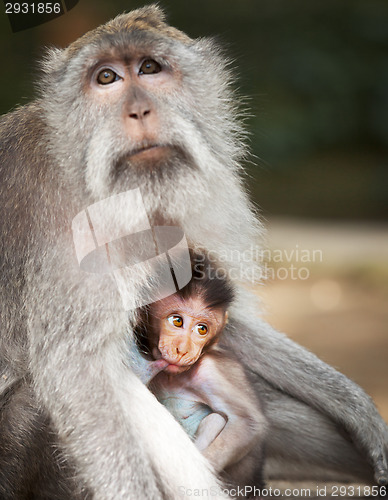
x=188, y=413
x=178, y=394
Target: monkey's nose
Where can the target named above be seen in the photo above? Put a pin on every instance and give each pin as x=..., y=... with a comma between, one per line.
x=139, y=114
x=180, y=352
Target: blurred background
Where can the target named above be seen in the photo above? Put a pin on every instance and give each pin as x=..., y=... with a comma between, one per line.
x=315, y=77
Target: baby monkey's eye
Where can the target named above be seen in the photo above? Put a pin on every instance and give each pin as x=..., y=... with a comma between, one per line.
x=201, y=329
x=175, y=320
x=107, y=76
x=149, y=67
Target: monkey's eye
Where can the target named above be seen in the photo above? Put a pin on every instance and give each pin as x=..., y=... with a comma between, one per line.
x=149, y=67
x=107, y=76
x=201, y=329
x=175, y=320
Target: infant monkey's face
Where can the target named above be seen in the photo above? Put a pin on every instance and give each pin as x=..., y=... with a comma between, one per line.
x=182, y=328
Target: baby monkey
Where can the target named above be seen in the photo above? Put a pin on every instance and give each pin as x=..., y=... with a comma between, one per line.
x=202, y=386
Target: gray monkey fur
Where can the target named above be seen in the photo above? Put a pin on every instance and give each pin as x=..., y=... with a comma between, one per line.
x=64, y=332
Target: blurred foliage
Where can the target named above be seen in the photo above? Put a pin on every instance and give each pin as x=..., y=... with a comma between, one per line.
x=316, y=77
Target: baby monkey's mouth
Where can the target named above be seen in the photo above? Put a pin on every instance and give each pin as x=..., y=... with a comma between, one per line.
x=177, y=366
x=172, y=367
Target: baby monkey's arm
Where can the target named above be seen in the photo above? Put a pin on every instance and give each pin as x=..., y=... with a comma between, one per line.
x=237, y=423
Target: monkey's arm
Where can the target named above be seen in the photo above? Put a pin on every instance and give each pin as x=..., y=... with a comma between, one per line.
x=107, y=420
x=146, y=370
x=237, y=423
x=292, y=370
x=208, y=430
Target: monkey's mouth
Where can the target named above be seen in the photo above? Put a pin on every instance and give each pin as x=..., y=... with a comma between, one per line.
x=148, y=157
x=175, y=369
x=149, y=152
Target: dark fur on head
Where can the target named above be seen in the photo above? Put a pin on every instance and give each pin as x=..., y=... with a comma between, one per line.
x=206, y=282
x=215, y=290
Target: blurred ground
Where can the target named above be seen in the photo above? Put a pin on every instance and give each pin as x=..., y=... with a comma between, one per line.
x=340, y=312
x=337, y=306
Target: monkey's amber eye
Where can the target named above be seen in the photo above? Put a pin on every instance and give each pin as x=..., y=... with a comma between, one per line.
x=175, y=320
x=107, y=76
x=201, y=329
x=149, y=67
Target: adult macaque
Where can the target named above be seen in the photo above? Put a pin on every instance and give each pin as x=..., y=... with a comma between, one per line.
x=202, y=386
x=138, y=104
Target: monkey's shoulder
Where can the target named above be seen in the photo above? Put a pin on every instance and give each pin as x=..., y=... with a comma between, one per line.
x=23, y=160
x=22, y=130
x=221, y=362
x=21, y=118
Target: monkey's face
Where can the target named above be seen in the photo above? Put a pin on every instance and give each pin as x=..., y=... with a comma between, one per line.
x=138, y=108
x=136, y=104
x=182, y=329
x=135, y=91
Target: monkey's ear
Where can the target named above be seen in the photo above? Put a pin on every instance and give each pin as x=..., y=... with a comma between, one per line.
x=226, y=318
x=52, y=60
